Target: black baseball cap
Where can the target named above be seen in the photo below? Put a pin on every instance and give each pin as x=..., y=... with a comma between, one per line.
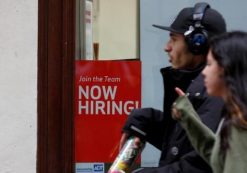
x=212, y=21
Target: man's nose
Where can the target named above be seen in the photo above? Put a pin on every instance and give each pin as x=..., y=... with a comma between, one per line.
x=167, y=47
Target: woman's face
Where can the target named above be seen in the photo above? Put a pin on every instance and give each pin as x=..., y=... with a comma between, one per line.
x=213, y=74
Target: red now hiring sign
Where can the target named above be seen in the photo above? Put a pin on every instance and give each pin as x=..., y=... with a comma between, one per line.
x=105, y=94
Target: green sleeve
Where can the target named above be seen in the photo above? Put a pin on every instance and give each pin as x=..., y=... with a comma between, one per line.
x=201, y=137
x=236, y=159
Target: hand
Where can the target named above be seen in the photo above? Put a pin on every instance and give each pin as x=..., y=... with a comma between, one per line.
x=179, y=91
x=176, y=114
x=124, y=138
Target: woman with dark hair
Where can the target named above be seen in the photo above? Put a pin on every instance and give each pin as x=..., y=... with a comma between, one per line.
x=225, y=76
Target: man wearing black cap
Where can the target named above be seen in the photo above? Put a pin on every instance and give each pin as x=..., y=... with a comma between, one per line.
x=187, y=49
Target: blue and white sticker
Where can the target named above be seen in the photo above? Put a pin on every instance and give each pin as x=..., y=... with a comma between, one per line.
x=90, y=167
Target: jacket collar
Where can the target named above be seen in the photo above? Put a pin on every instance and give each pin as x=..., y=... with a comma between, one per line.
x=179, y=74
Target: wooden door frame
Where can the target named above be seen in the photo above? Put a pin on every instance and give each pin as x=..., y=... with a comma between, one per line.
x=56, y=56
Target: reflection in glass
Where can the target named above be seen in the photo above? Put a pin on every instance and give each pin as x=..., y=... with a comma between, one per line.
x=107, y=29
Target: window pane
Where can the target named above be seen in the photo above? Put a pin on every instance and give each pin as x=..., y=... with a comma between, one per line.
x=107, y=29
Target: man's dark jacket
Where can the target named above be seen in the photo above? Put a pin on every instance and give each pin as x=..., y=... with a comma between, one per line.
x=177, y=154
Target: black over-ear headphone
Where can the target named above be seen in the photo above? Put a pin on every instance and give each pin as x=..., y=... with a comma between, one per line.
x=197, y=37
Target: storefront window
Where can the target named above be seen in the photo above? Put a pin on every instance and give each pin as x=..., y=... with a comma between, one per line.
x=107, y=79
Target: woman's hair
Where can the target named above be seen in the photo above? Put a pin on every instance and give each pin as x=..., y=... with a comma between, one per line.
x=230, y=52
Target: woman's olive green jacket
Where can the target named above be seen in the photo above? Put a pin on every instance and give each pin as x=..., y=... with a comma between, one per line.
x=207, y=143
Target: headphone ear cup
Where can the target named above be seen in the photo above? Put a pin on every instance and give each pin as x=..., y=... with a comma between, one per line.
x=197, y=41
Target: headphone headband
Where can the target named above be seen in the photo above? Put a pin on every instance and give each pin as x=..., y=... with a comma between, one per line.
x=199, y=10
